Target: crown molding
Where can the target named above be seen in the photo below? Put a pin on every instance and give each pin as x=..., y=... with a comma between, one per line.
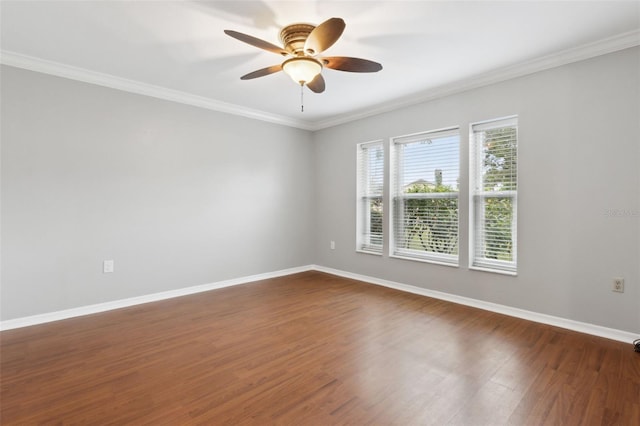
x=32, y=63
x=576, y=54
x=565, y=57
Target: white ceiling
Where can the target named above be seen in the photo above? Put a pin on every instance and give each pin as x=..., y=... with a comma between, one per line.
x=177, y=49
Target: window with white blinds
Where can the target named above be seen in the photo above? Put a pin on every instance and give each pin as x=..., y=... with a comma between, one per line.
x=370, y=190
x=425, y=183
x=494, y=195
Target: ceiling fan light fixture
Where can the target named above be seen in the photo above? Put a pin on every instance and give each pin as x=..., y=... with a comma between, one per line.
x=302, y=70
x=302, y=43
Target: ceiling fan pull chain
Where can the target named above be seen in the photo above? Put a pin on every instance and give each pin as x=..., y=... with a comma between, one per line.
x=301, y=97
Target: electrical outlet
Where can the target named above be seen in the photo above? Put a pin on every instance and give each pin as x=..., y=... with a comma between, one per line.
x=617, y=285
x=332, y=245
x=107, y=266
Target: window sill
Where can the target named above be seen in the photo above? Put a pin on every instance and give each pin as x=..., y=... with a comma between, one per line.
x=375, y=253
x=418, y=259
x=494, y=271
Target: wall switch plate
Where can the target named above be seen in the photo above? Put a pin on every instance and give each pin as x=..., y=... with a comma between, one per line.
x=107, y=266
x=617, y=285
x=332, y=245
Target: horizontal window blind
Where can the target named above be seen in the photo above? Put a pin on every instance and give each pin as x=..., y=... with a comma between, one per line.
x=370, y=192
x=426, y=170
x=494, y=186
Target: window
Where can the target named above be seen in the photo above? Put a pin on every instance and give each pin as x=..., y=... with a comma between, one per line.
x=494, y=190
x=425, y=182
x=370, y=187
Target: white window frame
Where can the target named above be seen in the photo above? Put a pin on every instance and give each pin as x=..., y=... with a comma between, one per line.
x=364, y=197
x=477, y=196
x=397, y=200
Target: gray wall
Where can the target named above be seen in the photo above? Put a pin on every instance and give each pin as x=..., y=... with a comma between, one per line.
x=177, y=196
x=180, y=196
x=579, y=161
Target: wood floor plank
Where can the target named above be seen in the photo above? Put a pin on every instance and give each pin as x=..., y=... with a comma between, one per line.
x=312, y=349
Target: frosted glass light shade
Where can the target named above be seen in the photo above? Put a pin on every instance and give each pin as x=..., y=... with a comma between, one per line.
x=302, y=70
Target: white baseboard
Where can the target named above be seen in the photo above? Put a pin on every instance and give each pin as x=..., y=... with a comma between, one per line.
x=582, y=327
x=596, y=330
x=123, y=303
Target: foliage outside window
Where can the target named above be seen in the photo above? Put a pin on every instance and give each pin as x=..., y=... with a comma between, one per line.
x=370, y=190
x=425, y=196
x=494, y=187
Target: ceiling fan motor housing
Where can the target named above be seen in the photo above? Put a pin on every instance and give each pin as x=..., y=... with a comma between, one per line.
x=294, y=36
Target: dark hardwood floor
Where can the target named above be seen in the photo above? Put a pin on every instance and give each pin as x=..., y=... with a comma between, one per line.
x=313, y=349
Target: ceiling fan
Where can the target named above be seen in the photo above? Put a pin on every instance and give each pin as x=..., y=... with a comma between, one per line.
x=303, y=43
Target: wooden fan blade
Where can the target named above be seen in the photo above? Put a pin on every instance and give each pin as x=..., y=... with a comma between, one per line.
x=323, y=36
x=262, y=72
x=344, y=63
x=253, y=41
x=317, y=84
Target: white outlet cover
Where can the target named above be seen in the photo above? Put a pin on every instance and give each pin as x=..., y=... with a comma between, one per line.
x=108, y=266
x=618, y=285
